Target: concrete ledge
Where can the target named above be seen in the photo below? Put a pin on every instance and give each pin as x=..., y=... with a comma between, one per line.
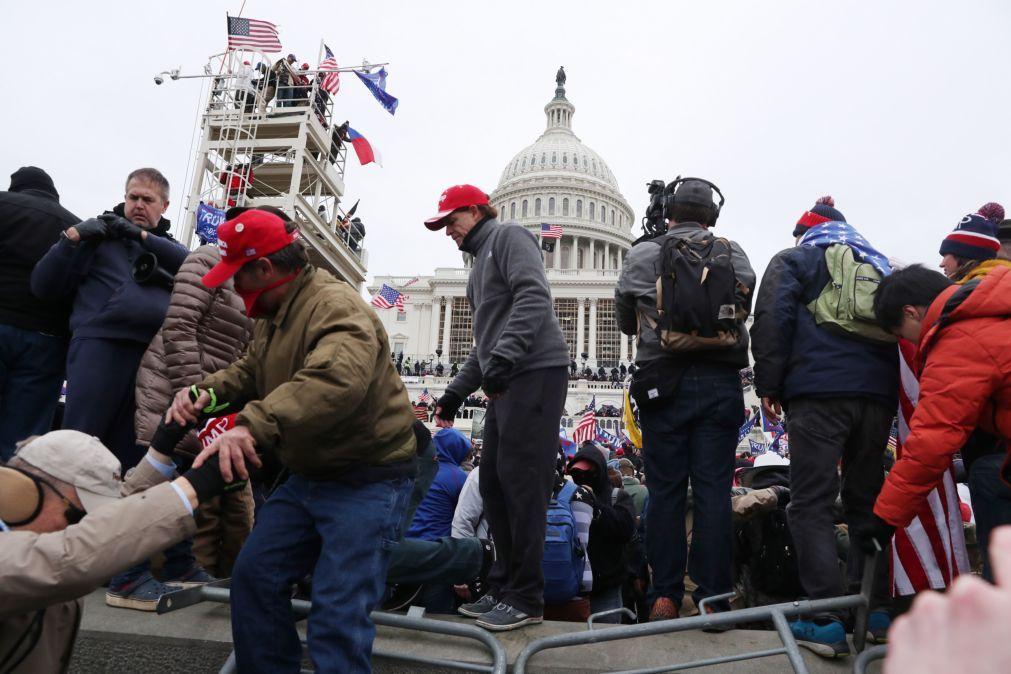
x=196, y=640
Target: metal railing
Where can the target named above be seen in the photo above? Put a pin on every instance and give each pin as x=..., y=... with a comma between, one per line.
x=777, y=613
x=218, y=592
x=865, y=658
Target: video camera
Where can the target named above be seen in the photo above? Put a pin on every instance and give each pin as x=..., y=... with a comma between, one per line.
x=663, y=195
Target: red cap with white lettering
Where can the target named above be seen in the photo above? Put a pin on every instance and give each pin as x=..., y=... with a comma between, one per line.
x=248, y=236
x=457, y=196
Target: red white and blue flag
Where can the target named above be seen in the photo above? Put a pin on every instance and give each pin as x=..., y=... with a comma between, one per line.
x=551, y=231
x=331, y=82
x=253, y=33
x=425, y=397
x=587, y=427
x=388, y=297
x=363, y=148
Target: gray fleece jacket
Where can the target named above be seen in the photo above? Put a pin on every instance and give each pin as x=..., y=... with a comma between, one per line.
x=636, y=292
x=514, y=317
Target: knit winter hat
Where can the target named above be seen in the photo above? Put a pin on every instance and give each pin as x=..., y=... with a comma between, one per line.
x=975, y=237
x=823, y=211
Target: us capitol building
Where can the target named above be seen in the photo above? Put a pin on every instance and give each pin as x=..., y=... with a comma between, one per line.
x=556, y=180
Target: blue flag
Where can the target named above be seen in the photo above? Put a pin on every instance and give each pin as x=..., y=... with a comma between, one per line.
x=208, y=219
x=829, y=233
x=376, y=83
x=746, y=428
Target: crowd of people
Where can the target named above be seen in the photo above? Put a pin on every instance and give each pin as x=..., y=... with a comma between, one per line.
x=265, y=432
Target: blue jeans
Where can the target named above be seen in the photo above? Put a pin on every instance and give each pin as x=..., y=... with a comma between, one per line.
x=991, y=501
x=31, y=372
x=691, y=436
x=341, y=534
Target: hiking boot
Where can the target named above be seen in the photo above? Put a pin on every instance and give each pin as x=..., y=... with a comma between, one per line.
x=664, y=608
x=878, y=623
x=400, y=596
x=504, y=617
x=827, y=640
x=476, y=609
x=140, y=594
x=196, y=575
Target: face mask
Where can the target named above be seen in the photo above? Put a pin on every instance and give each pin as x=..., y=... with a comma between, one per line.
x=249, y=297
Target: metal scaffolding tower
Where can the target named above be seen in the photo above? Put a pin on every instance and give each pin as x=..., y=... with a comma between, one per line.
x=262, y=144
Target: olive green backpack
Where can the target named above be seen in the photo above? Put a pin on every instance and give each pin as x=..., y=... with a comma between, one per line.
x=846, y=304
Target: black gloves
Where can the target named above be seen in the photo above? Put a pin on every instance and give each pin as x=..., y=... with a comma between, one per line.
x=207, y=481
x=121, y=228
x=496, y=377
x=448, y=405
x=94, y=229
x=865, y=534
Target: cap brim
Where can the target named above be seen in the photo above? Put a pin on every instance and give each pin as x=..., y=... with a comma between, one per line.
x=220, y=273
x=435, y=223
x=92, y=501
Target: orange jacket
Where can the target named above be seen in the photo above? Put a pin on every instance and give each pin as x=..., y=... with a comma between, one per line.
x=965, y=383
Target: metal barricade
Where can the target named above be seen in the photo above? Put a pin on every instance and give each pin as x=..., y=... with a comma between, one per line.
x=868, y=656
x=777, y=613
x=219, y=592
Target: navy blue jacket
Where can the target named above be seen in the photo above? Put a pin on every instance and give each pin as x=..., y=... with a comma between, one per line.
x=108, y=303
x=434, y=517
x=795, y=358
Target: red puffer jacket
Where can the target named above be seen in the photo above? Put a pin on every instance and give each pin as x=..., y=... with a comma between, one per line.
x=965, y=383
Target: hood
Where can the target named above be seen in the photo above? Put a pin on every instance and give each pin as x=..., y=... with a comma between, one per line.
x=452, y=446
x=982, y=269
x=603, y=486
x=988, y=296
x=163, y=225
x=33, y=178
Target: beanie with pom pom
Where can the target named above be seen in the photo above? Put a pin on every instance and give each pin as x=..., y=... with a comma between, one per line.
x=823, y=211
x=975, y=237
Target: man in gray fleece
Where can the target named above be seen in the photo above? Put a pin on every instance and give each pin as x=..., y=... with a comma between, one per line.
x=521, y=361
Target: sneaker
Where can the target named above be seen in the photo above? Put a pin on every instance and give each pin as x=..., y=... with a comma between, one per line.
x=504, y=617
x=141, y=594
x=196, y=575
x=400, y=596
x=827, y=640
x=664, y=608
x=476, y=609
x=878, y=623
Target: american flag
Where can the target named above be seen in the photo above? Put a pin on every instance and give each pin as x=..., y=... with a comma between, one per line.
x=587, y=428
x=421, y=412
x=332, y=82
x=388, y=298
x=254, y=33
x=425, y=397
x=551, y=231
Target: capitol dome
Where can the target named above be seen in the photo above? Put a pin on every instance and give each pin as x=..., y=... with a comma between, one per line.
x=560, y=181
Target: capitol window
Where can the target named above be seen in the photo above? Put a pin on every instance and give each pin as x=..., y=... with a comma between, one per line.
x=565, y=206
x=612, y=218
x=524, y=162
x=579, y=208
x=537, y=207
x=603, y=214
x=551, y=206
x=524, y=208
x=565, y=157
x=593, y=211
x=512, y=210
x=554, y=157
x=544, y=158
x=401, y=316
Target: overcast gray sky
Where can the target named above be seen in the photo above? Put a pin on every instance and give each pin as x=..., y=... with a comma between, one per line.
x=897, y=109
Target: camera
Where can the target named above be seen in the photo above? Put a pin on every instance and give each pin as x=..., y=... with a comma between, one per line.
x=158, y=79
x=653, y=223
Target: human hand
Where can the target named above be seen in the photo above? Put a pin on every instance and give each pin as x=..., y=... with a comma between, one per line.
x=495, y=380
x=964, y=630
x=184, y=409
x=864, y=535
x=233, y=447
x=121, y=228
x=446, y=408
x=773, y=409
x=206, y=483
x=94, y=229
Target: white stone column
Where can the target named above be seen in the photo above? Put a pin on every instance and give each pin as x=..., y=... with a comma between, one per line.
x=556, y=257
x=446, y=330
x=591, y=265
x=635, y=350
x=593, y=331
x=436, y=312
x=574, y=253
x=607, y=256
x=580, y=327
x=623, y=347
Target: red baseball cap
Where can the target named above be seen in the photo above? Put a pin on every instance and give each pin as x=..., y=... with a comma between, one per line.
x=457, y=196
x=248, y=236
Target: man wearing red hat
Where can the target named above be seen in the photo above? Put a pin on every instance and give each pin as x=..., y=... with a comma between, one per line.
x=521, y=361
x=321, y=394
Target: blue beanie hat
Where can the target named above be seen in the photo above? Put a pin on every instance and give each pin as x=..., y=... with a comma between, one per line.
x=975, y=237
x=823, y=211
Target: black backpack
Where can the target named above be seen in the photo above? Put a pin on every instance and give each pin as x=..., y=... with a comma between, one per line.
x=695, y=296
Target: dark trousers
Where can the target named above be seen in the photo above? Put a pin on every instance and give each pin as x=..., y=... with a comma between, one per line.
x=691, y=436
x=31, y=372
x=991, y=502
x=517, y=475
x=824, y=431
x=101, y=396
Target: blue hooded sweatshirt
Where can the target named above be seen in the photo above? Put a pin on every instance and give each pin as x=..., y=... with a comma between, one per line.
x=434, y=517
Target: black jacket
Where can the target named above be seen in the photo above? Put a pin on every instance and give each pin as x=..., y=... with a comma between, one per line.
x=31, y=220
x=611, y=529
x=794, y=357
